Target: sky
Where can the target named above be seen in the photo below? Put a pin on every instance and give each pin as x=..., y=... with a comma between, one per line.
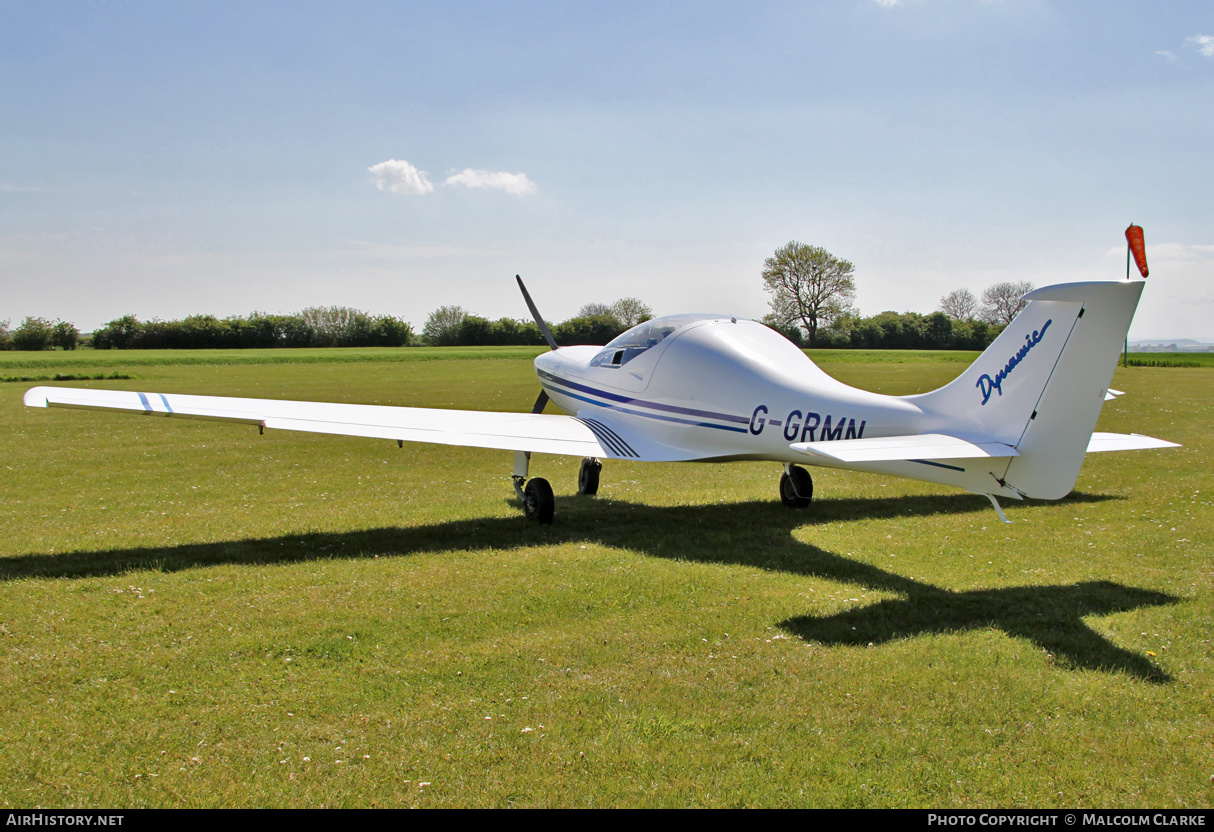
x=169, y=159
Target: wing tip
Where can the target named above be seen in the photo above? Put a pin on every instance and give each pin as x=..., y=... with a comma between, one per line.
x=35, y=397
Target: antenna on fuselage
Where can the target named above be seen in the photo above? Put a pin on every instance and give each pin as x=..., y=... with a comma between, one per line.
x=535, y=313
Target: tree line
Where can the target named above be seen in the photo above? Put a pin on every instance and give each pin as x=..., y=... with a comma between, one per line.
x=895, y=331
x=39, y=334
x=327, y=326
x=317, y=326
x=332, y=326
x=594, y=323
x=812, y=294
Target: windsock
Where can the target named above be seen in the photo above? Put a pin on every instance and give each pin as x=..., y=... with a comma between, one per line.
x=1138, y=247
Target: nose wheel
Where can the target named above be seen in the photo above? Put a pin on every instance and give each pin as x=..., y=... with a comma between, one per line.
x=538, y=502
x=796, y=487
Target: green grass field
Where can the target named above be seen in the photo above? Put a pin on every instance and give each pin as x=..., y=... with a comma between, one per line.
x=195, y=615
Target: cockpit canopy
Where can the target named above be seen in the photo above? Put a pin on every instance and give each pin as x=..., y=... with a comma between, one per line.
x=644, y=336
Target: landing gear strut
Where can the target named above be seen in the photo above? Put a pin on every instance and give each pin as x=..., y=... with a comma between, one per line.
x=796, y=487
x=538, y=502
x=588, y=476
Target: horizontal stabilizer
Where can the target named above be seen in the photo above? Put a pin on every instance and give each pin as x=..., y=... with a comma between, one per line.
x=1111, y=394
x=1125, y=442
x=896, y=448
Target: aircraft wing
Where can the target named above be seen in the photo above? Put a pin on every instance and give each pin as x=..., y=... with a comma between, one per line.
x=896, y=448
x=536, y=432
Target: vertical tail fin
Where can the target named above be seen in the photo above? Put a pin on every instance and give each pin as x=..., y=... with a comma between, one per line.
x=1040, y=386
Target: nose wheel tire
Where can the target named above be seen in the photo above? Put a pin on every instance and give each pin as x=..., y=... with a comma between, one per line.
x=588, y=476
x=796, y=487
x=538, y=502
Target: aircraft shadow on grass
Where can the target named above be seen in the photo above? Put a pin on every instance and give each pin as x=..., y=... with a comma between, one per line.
x=755, y=534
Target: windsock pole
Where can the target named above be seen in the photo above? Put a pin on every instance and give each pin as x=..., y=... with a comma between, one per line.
x=1125, y=353
x=1136, y=245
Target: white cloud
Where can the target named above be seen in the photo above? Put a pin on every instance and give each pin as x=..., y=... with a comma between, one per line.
x=1204, y=44
x=512, y=183
x=400, y=177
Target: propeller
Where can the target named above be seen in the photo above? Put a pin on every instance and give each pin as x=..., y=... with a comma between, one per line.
x=535, y=313
x=540, y=402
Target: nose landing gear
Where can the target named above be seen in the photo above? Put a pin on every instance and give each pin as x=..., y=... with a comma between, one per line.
x=538, y=502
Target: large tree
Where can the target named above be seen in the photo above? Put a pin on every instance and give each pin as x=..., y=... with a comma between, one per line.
x=631, y=311
x=1002, y=302
x=33, y=334
x=591, y=310
x=64, y=334
x=960, y=305
x=809, y=286
x=443, y=326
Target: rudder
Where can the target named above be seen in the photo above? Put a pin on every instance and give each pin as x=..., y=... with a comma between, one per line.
x=1040, y=386
x=1055, y=441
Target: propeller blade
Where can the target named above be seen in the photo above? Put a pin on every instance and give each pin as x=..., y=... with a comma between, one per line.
x=535, y=313
x=540, y=402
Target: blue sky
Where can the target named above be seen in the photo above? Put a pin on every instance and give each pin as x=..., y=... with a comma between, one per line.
x=165, y=159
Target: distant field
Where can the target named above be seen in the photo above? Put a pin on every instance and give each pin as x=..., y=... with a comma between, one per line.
x=1171, y=359
x=172, y=358
x=195, y=615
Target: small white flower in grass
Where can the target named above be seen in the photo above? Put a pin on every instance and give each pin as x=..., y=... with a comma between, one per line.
x=528, y=730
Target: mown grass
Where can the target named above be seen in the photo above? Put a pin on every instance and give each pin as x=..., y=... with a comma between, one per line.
x=195, y=615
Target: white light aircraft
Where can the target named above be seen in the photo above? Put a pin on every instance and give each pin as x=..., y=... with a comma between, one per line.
x=713, y=388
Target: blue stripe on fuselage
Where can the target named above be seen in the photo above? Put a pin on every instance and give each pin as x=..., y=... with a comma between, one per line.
x=667, y=408
x=642, y=413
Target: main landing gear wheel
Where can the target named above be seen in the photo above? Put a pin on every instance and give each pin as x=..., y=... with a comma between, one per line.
x=538, y=502
x=588, y=476
x=796, y=487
